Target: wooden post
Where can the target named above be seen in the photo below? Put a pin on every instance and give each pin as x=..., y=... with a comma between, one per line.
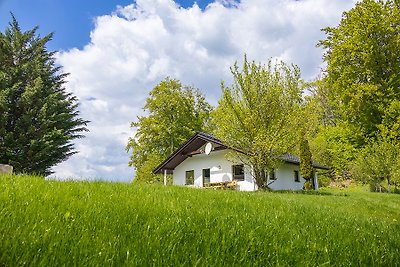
x=316, y=186
x=165, y=177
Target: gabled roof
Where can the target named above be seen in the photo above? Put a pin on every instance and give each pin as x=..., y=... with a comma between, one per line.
x=189, y=148
x=290, y=158
x=193, y=145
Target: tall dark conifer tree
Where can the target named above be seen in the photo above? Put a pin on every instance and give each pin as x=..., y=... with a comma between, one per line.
x=39, y=119
x=306, y=167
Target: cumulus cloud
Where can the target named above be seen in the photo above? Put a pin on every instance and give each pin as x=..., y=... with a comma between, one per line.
x=136, y=46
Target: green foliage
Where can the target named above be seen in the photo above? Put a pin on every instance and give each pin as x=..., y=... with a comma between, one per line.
x=306, y=166
x=335, y=146
x=39, y=119
x=323, y=180
x=257, y=114
x=51, y=223
x=333, y=141
x=144, y=174
x=175, y=112
x=318, y=107
x=379, y=162
x=390, y=126
x=358, y=99
x=363, y=69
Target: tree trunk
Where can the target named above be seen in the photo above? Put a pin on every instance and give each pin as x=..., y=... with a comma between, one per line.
x=261, y=177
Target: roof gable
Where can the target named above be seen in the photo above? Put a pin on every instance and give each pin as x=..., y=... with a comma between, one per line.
x=189, y=148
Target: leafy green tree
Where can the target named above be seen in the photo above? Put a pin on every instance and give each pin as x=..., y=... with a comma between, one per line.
x=335, y=146
x=175, y=112
x=358, y=97
x=318, y=107
x=378, y=162
x=363, y=68
x=257, y=114
x=390, y=125
x=39, y=119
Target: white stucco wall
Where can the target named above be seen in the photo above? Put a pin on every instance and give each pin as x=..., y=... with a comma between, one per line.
x=285, y=178
x=221, y=170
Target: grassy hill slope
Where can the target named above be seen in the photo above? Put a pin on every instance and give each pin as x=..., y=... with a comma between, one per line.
x=52, y=223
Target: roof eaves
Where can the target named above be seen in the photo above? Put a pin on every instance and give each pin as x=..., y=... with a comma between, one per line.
x=175, y=153
x=204, y=136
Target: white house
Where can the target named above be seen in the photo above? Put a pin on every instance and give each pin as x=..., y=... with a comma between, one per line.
x=202, y=160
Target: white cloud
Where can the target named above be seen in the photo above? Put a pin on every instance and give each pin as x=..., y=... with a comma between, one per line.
x=135, y=47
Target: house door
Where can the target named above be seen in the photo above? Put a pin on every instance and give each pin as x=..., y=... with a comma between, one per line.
x=206, y=176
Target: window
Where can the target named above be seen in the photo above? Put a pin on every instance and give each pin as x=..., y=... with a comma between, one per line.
x=272, y=175
x=206, y=176
x=238, y=172
x=296, y=176
x=189, y=177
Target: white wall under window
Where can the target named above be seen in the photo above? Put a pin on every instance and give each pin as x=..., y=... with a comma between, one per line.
x=221, y=170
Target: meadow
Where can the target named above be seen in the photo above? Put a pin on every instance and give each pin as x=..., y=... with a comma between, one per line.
x=53, y=223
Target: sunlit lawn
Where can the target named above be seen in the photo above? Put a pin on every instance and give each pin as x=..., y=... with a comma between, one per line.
x=50, y=223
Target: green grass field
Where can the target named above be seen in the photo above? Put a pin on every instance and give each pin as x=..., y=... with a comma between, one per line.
x=50, y=223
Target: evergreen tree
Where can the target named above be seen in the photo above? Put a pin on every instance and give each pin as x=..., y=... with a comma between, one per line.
x=39, y=119
x=306, y=167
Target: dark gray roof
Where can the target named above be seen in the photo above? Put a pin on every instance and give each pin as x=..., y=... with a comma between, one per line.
x=290, y=158
x=196, y=141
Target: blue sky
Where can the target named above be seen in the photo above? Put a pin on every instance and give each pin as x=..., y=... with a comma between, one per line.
x=70, y=20
x=117, y=51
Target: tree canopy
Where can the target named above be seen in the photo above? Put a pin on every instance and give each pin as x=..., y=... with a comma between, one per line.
x=39, y=119
x=358, y=96
x=175, y=112
x=378, y=162
x=363, y=66
x=257, y=114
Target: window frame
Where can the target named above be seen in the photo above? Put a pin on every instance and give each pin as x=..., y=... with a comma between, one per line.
x=203, y=175
x=272, y=175
x=296, y=176
x=186, y=177
x=235, y=176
